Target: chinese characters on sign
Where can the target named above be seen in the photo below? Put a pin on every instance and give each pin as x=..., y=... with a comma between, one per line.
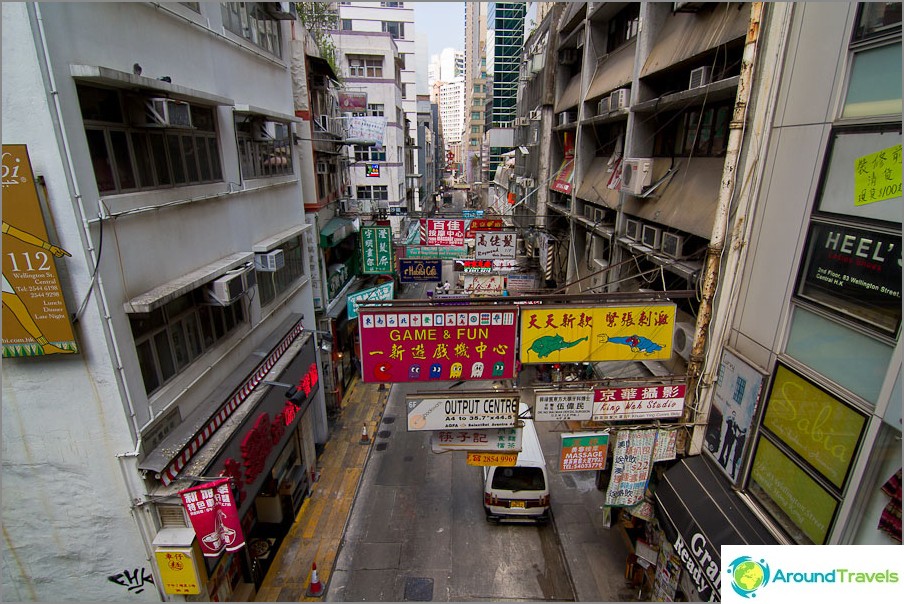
x=178, y=571
x=213, y=515
x=443, y=232
x=484, y=285
x=560, y=406
x=498, y=439
x=384, y=291
x=417, y=271
x=877, y=176
x=643, y=402
x=432, y=412
x=495, y=245
x=404, y=346
x=376, y=249
x=442, y=252
x=632, y=460
x=584, y=451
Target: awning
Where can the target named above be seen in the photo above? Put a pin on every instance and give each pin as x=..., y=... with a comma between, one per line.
x=335, y=230
x=688, y=201
x=613, y=71
x=571, y=95
x=594, y=184
x=562, y=181
x=120, y=79
x=700, y=514
x=686, y=35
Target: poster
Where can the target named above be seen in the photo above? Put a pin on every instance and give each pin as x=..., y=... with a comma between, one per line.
x=214, y=517
x=877, y=176
x=632, y=460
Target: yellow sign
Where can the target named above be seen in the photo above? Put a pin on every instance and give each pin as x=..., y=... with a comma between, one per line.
x=492, y=459
x=35, y=320
x=178, y=570
x=608, y=333
x=877, y=176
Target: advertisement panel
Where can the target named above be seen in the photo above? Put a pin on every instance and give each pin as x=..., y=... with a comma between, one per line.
x=443, y=232
x=485, y=224
x=440, y=412
x=419, y=271
x=606, y=333
x=409, y=346
x=384, y=291
x=638, y=402
x=35, y=319
x=499, y=245
x=483, y=285
x=494, y=439
x=368, y=128
x=632, y=460
x=492, y=459
x=561, y=406
x=376, y=250
x=214, y=517
x=442, y=252
x=178, y=570
x=353, y=101
x=583, y=451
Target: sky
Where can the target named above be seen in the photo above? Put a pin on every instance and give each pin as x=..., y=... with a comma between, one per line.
x=443, y=24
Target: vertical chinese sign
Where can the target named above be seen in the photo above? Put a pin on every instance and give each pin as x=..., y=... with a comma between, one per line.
x=214, y=517
x=409, y=346
x=35, y=320
x=376, y=249
x=179, y=570
x=632, y=460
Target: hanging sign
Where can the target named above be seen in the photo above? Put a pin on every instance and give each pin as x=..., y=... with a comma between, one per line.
x=353, y=101
x=372, y=170
x=638, y=402
x=494, y=439
x=418, y=271
x=376, y=250
x=632, y=460
x=443, y=232
x=213, y=515
x=561, y=406
x=499, y=245
x=442, y=252
x=384, y=291
x=584, y=451
x=440, y=412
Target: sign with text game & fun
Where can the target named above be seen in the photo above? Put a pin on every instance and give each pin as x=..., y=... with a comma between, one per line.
x=641, y=332
x=420, y=346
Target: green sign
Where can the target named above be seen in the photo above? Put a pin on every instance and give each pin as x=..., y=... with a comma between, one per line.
x=817, y=426
x=809, y=506
x=376, y=250
x=448, y=252
x=877, y=176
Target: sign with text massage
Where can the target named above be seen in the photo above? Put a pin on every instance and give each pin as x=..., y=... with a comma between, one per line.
x=608, y=333
x=475, y=410
x=376, y=250
x=563, y=405
x=817, y=426
x=419, y=271
x=384, y=291
x=35, y=319
x=632, y=460
x=476, y=343
x=638, y=402
x=441, y=252
x=498, y=245
x=583, y=451
x=442, y=232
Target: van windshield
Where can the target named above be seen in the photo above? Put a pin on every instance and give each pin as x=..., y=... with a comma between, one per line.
x=519, y=479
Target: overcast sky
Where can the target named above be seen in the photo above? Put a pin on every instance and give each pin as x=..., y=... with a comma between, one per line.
x=442, y=23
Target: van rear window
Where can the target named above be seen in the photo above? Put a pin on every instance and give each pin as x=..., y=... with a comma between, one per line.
x=519, y=479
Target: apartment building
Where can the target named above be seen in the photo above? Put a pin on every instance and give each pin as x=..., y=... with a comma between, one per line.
x=505, y=37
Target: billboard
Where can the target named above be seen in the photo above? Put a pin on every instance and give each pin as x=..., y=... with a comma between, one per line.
x=463, y=412
x=443, y=232
x=499, y=245
x=650, y=401
x=407, y=345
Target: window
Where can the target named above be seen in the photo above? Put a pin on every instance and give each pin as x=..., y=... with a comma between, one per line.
x=695, y=132
x=877, y=19
x=362, y=66
x=131, y=151
x=265, y=147
x=250, y=21
x=396, y=29
x=170, y=338
x=195, y=6
x=366, y=154
x=623, y=27
x=740, y=386
x=345, y=25
x=375, y=109
x=475, y=115
x=378, y=192
x=271, y=284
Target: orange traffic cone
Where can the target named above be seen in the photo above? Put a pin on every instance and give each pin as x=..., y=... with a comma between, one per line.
x=315, y=589
x=364, y=437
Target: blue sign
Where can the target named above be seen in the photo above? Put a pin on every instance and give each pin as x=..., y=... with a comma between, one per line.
x=473, y=213
x=419, y=271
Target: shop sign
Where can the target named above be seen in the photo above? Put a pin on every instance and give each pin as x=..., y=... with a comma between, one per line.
x=376, y=250
x=472, y=214
x=178, y=570
x=38, y=323
x=442, y=252
x=443, y=232
x=214, y=517
x=472, y=267
x=632, y=460
x=493, y=439
x=492, y=459
x=405, y=346
x=607, y=333
x=480, y=285
x=583, y=451
x=384, y=291
x=877, y=176
x=638, y=402
x=520, y=282
x=495, y=245
x=563, y=405
x=701, y=565
x=353, y=101
x=483, y=224
x=366, y=127
x=419, y=271
x=372, y=170
x=439, y=412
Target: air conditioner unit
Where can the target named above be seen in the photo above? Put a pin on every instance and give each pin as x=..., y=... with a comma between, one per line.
x=650, y=236
x=263, y=130
x=226, y=290
x=673, y=245
x=529, y=183
x=683, y=340
x=521, y=121
x=567, y=56
x=603, y=107
x=270, y=262
x=567, y=117
x=700, y=77
x=535, y=114
x=632, y=229
x=619, y=99
x=636, y=174
x=165, y=113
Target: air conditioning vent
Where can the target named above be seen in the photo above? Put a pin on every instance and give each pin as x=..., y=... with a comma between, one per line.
x=673, y=245
x=567, y=117
x=636, y=174
x=632, y=229
x=603, y=107
x=683, y=341
x=163, y=113
x=700, y=77
x=619, y=99
x=535, y=114
x=227, y=289
x=650, y=236
x=270, y=262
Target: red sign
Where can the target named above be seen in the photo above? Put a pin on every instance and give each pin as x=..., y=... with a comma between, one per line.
x=214, y=517
x=353, y=101
x=486, y=224
x=443, y=232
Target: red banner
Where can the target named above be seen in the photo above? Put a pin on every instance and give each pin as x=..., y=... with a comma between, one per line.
x=213, y=514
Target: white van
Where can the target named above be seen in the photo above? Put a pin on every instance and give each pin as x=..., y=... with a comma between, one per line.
x=519, y=492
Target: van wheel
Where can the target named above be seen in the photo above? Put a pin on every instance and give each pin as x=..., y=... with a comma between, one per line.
x=492, y=519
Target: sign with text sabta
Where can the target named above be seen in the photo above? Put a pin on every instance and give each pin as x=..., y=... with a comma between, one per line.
x=466, y=412
x=442, y=232
x=414, y=346
x=638, y=402
x=563, y=405
x=35, y=320
x=499, y=245
x=494, y=439
x=584, y=451
x=607, y=333
x=384, y=291
x=376, y=250
x=419, y=271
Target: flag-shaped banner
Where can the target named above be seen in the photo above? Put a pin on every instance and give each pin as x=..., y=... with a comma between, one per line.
x=214, y=516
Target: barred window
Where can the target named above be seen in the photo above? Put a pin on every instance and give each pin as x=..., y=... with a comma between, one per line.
x=265, y=147
x=271, y=284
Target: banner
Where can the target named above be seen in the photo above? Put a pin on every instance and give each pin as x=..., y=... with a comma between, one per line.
x=367, y=128
x=211, y=509
x=632, y=460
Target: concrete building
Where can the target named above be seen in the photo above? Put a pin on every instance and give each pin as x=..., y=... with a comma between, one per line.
x=505, y=37
x=184, y=300
x=428, y=154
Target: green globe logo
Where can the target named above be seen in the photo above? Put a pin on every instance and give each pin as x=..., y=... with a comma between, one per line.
x=748, y=575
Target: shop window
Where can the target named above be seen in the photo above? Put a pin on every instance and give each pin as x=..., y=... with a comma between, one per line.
x=265, y=147
x=251, y=22
x=272, y=284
